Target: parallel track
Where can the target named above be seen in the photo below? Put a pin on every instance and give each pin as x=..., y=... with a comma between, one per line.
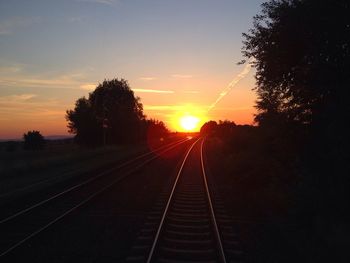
x=31, y=221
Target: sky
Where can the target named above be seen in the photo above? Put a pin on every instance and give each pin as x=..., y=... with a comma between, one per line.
x=180, y=57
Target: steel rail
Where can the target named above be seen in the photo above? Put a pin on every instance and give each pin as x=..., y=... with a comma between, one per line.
x=86, y=200
x=155, y=241
x=212, y=213
x=86, y=182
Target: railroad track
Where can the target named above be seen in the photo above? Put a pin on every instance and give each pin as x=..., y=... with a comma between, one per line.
x=189, y=222
x=29, y=222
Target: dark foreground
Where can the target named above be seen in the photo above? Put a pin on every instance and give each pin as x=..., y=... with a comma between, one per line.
x=120, y=223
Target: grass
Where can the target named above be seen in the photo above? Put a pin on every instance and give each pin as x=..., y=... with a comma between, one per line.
x=58, y=161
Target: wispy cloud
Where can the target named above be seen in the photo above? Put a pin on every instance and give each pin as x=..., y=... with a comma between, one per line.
x=181, y=76
x=8, y=26
x=61, y=81
x=25, y=106
x=10, y=69
x=88, y=86
x=14, y=77
x=232, y=84
x=17, y=98
x=148, y=78
x=103, y=2
x=154, y=91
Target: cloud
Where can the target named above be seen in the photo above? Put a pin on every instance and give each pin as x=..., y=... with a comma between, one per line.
x=181, y=76
x=10, y=69
x=20, y=76
x=88, y=86
x=22, y=106
x=148, y=78
x=23, y=97
x=232, y=84
x=61, y=81
x=17, y=98
x=19, y=79
x=9, y=25
x=153, y=91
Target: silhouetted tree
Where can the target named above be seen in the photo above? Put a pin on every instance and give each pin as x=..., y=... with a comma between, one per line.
x=225, y=128
x=301, y=51
x=33, y=140
x=208, y=128
x=118, y=110
x=155, y=129
x=111, y=114
x=82, y=121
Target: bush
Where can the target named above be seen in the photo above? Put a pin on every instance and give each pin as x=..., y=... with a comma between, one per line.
x=33, y=140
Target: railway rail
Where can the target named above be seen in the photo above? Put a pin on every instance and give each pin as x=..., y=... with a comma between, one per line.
x=188, y=223
x=29, y=222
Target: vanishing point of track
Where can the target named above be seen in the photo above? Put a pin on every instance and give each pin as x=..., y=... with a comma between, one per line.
x=184, y=225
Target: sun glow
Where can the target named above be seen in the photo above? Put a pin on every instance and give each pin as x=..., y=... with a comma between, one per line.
x=187, y=118
x=189, y=123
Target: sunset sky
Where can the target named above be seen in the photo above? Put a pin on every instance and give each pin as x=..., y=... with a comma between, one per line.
x=179, y=56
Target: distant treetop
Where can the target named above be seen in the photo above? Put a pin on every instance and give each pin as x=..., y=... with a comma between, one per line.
x=33, y=140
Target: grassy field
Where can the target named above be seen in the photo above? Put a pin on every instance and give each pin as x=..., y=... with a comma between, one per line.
x=20, y=169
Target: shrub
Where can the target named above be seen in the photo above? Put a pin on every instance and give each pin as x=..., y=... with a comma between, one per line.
x=33, y=140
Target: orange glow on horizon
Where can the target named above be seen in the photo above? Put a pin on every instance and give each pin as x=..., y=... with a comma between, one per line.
x=187, y=118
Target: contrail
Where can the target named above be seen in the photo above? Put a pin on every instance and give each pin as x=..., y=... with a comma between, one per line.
x=233, y=83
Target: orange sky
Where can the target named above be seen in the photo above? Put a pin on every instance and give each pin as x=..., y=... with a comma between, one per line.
x=186, y=98
x=184, y=95
x=179, y=57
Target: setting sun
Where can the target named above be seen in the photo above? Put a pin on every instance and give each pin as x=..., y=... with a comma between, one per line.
x=189, y=123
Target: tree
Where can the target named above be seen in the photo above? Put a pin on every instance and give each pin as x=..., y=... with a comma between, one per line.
x=208, y=128
x=83, y=122
x=155, y=129
x=301, y=51
x=33, y=140
x=111, y=114
x=116, y=107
